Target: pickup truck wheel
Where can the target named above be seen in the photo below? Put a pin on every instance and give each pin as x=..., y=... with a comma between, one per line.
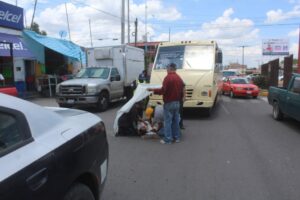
x=231, y=94
x=103, y=101
x=277, y=114
x=79, y=192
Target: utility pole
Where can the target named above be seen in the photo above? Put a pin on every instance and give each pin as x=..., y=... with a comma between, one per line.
x=136, y=31
x=146, y=16
x=33, y=14
x=68, y=21
x=169, y=34
x=123, y=22
x=243, y=47
x=298, y=70
x=91, y=33
x=128, y=19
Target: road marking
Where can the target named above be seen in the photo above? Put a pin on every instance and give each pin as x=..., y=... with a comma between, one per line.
x=264, y=99
x=225, y=109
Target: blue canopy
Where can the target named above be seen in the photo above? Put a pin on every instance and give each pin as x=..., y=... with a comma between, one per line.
x=64, y=47
x=19, y=48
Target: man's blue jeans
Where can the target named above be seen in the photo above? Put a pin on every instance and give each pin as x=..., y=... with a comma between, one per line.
x=171, y=121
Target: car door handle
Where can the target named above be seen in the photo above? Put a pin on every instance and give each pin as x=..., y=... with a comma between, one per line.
x=38, y=179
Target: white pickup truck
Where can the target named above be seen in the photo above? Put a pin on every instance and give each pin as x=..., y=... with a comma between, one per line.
x=111, y=75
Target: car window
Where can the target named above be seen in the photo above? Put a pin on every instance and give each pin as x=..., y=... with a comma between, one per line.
x=114, y=72
x=10, y=133
x=296, y=86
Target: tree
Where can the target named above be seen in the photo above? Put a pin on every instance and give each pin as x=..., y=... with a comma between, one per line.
x=36, y=28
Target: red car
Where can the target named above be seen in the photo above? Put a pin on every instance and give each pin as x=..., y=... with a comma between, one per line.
x=239, y=86
x=9, y=90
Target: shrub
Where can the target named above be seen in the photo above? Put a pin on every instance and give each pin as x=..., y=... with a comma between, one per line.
x=261, y=81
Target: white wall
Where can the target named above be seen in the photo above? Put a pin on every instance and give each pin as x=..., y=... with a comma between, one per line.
x=19, y=69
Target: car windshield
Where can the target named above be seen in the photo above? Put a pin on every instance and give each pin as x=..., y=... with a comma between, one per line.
x=186, y=57
x=102, y=73
x=229, y=73
x=240, y=81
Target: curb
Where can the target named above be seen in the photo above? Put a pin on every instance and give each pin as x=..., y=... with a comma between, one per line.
x=263, y=93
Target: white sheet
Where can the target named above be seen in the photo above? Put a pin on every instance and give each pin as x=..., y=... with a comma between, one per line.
x=139, y=94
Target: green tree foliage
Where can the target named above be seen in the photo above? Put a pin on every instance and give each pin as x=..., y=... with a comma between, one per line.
x=36, y=28
x=261, y=81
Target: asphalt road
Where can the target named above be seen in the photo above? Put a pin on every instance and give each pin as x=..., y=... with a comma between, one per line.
x=239, y=153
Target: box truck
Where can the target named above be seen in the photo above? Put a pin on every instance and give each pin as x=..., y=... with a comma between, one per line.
x=110, y=75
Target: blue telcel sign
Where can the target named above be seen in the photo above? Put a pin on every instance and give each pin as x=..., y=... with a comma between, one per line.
x=11, y=16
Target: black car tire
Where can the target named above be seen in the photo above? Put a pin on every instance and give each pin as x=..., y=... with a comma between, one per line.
x=254, y=97
x=277, y=114
x=103, y=101
x=79, y=192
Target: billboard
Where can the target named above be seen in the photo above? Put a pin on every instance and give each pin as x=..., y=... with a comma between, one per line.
x=275, y=47
x=11, y=16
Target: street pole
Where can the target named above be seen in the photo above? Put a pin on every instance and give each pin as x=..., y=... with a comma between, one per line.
x=146, y=16
x=91, y=33
x=243, y=47
x=32, y=20
x=298, y=70
x=123, y=23
x=128, y=19
x=169, y=34
x=68, y=21
x=136, y=31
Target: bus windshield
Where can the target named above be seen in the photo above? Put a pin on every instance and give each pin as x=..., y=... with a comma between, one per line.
x=186, y=57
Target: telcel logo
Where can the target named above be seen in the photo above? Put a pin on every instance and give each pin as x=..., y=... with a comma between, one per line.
x=10, y=17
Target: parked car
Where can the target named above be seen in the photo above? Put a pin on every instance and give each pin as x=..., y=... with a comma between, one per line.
x=50, y=153
x=286, y=101
x=239, y=86
x=9, y=90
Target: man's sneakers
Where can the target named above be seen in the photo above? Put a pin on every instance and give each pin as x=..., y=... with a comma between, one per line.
x=164, y=142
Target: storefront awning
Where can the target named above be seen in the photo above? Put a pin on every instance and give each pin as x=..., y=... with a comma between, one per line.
x=19, y=48
x=63, y=47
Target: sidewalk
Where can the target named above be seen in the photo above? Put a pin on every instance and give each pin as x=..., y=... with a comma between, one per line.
x=29, y=95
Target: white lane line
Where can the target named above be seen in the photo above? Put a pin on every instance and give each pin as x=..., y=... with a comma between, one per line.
x=264, y=99
x=226, y=99
x=225, y=109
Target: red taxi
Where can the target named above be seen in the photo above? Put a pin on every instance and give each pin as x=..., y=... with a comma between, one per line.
x=239, y=86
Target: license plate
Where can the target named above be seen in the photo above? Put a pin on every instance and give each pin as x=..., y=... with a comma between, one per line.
x=249, y=92
x=70, y=101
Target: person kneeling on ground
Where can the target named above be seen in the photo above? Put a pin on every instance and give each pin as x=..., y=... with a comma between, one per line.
x=128, y=122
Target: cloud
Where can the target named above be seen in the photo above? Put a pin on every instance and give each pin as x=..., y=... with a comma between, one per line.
x=104, y=16
x=155, y=10
x=278, y=15
x=228, y=31
x=294, y=33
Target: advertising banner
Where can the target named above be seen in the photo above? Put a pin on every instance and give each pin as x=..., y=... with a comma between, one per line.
x=275, y=47
x=19, y=49
x=11, y=16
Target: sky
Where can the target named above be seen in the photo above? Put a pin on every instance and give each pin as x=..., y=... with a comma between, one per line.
x=232, y=23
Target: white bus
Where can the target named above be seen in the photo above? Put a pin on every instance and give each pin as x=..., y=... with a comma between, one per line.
x=199, y=64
